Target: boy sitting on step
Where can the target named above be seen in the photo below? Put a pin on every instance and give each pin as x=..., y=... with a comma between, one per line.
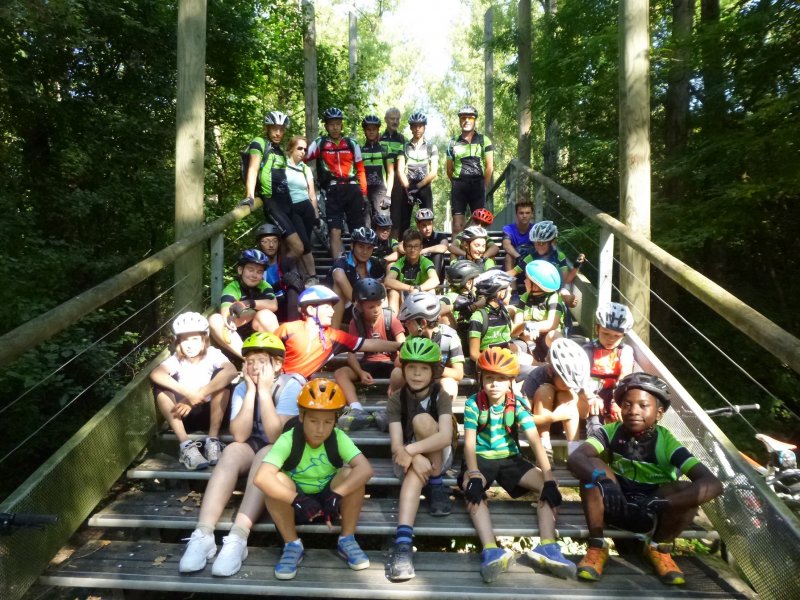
x=629, y=474
x=491, y=453
x=421, y=426
x=315, y=471
x=371, y=320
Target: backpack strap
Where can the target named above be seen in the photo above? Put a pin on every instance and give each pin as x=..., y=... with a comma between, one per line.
x=482, y=400
x=332, y=450
x=387, y=322
x=299, y=445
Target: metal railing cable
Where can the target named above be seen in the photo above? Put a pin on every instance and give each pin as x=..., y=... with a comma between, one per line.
x=79, y=394
x=89, y=347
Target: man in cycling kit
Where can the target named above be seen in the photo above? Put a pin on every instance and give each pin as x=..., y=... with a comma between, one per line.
x=394, y=140
x=341, y=174
x=417, y=168
x=470, y=164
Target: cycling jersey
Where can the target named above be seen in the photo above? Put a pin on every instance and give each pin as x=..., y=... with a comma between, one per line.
x=236, y=291
x=555, y=257
x=376, y=161
x=447, y=339
x=418, y=159
x=385, y=248
x=512, y=233
x=539, y=307
x=272, y=175
x=376, y=268
x=492, y=325
x=606, y=363
x=308, y=347
x=647, y=460
x=414, y=275
x=436, y=238
x=469, y=158
x=338, y=162
x=393, y=141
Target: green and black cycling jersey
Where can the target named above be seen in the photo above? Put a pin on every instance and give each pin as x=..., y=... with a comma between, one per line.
x=385, y=248
x=413, y=275
x=538, y=308
x=376, y=159
x=418, y=159
x=236, y=291
x=393, y=142
x=492, y=325
x=272, y=176
x=469, y=158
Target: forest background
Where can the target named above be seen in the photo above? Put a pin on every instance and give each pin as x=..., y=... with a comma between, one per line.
x=87, y=116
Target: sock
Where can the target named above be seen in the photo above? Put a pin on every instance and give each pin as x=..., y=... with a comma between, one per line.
x=436, y=480
x=545, y=541
x=546, y=442
x=205, y=528
x=405, y=534
x=185, y=444
x=242, y=532
x=298, y=541
x=356, y=406
x=344, y=537
x=490, y=546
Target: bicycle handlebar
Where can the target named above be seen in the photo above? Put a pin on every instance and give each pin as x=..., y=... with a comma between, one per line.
x=733, y=409
x=9, y=521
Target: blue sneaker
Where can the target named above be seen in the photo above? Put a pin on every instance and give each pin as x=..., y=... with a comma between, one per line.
x=349, y=550
x=291, y=558
x=548, y=556
x=495, y=561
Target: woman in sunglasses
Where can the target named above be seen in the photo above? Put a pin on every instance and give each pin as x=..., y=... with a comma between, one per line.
x=305, y=213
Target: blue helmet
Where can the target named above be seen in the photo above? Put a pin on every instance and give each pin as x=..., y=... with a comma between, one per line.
x=316, y=295
x=544, y=274
x=253, y=256
x=370, y=120
x=332, y=113
x=364, y=235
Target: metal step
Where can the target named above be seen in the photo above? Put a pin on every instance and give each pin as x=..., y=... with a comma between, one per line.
x=444, y=576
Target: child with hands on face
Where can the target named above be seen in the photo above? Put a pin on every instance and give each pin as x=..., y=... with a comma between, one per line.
x=492, y=453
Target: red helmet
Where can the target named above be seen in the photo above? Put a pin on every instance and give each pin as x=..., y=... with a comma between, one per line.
x=483, y=215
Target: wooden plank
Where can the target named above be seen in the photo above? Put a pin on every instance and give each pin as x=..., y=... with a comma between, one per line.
x=444, y=576
x=170, y=510
x=163, y=466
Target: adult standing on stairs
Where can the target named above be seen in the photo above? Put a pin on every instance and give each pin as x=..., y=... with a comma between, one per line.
x=470, y=165
x=394, y=142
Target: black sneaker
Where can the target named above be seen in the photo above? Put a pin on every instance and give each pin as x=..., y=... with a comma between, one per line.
x=400, y=566
x=440, y=503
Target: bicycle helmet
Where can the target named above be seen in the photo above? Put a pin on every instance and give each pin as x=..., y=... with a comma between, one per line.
x=368, y=289
x=332, y=113
x=370, y=120
x=473, y=232
x=484, y=215
x=267, y=230
x=316, y=295
x=253, y=256
x=321, y=394
x=543, y=231
x=420, y=305
x=190, y=322
x=498, y=360
x=276, y=117
x=615, y=316
x=461, y=271
x=651, y=384
x=418, y=118
x=364, y=235
x=490, y=282
x=570, y=363
x=422, y=350
x=544, y=274
x=424, y=214
x=266, y=342
x=382, y=221
x=468, y=110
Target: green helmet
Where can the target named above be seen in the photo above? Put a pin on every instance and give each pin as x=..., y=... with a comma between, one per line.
x=422, y=350
x=265, y=342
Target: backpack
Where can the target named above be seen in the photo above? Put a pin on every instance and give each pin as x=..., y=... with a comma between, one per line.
x=299, y=445
x=387, y=322
x=323, y=175
x=433, y=411
x=245, y=157
x=509, y=413
x=485, y=322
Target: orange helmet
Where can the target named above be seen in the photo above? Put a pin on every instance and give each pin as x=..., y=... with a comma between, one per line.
x=321, y=394
x=483, y=215
x=499, y=360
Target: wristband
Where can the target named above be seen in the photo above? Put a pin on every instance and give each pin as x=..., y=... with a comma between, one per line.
x=597, y=474
x=475, y=473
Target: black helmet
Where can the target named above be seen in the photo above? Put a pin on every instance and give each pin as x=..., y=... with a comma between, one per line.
x=461, y=271
x=382, y=221
x=368, y=289
x=468, y=110
x=364, y=235
x=651, y=384
x=370, y=120
x=267, y=229
x=418, y=117
x=332, y=113
x=276, y=117
x=490, y=282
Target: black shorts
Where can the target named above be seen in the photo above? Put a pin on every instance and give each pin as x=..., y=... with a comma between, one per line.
x=321, y=497
x=256, y=443
x=403, y=208
x=344, y=203
x=507, y=472
x=279, y=212
x=465, y=193
x=379, y=369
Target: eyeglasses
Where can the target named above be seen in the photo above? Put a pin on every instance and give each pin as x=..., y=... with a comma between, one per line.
x=300, y=148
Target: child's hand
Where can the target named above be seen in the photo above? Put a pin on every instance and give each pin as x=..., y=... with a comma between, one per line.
x=180, y=410
x=330, y=508
x=306, y=508
x=249, y=380
x=595, y=405
x=195, y=397
x=366, y=378
x=403, y=458
x=474, y=491
x=422, y=467
x=266, y=377
x=550, y=494
x=614, y=412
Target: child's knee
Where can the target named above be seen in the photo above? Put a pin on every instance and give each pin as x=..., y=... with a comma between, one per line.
x=265, y=320
x=545, y=394
x=424, y=426
x=344, y=374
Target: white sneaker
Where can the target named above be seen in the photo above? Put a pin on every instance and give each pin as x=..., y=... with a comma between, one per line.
x=213, y=450
x=199, y=550
x=191, y=458
x=230, y=557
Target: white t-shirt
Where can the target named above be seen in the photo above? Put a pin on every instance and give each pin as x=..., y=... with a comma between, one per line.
x=285, y=404
x=196, y=375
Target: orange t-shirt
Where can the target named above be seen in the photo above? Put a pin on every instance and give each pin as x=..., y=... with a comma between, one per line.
x=307, y=350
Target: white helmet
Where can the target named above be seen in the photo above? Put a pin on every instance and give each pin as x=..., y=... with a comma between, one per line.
x=543, y=231
x=190, y=322
x=570, y=362
x=614, y=315
x=420, y=305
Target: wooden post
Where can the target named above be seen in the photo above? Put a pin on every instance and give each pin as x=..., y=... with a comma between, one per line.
x=310, y=70
x=634, y=115
x=217, y=268
x=352, y=71
x=488, y=73
x=605, y=267
x=189, y=148
x=524, y=81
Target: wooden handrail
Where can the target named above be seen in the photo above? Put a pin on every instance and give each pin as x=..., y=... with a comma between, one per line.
x=775, y=340
x=41, y=328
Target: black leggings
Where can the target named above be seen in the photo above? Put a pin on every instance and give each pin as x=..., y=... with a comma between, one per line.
x=304, y=218
x=292, y=218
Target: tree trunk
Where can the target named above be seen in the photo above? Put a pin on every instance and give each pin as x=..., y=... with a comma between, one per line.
x=551, y=143
x=713, y=74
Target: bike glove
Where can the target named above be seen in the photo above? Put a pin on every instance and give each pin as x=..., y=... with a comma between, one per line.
x=550, y=494
x=331, y=506
x=306, y=508
x=247, y=202
x=475, y=492
x=613, y=498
